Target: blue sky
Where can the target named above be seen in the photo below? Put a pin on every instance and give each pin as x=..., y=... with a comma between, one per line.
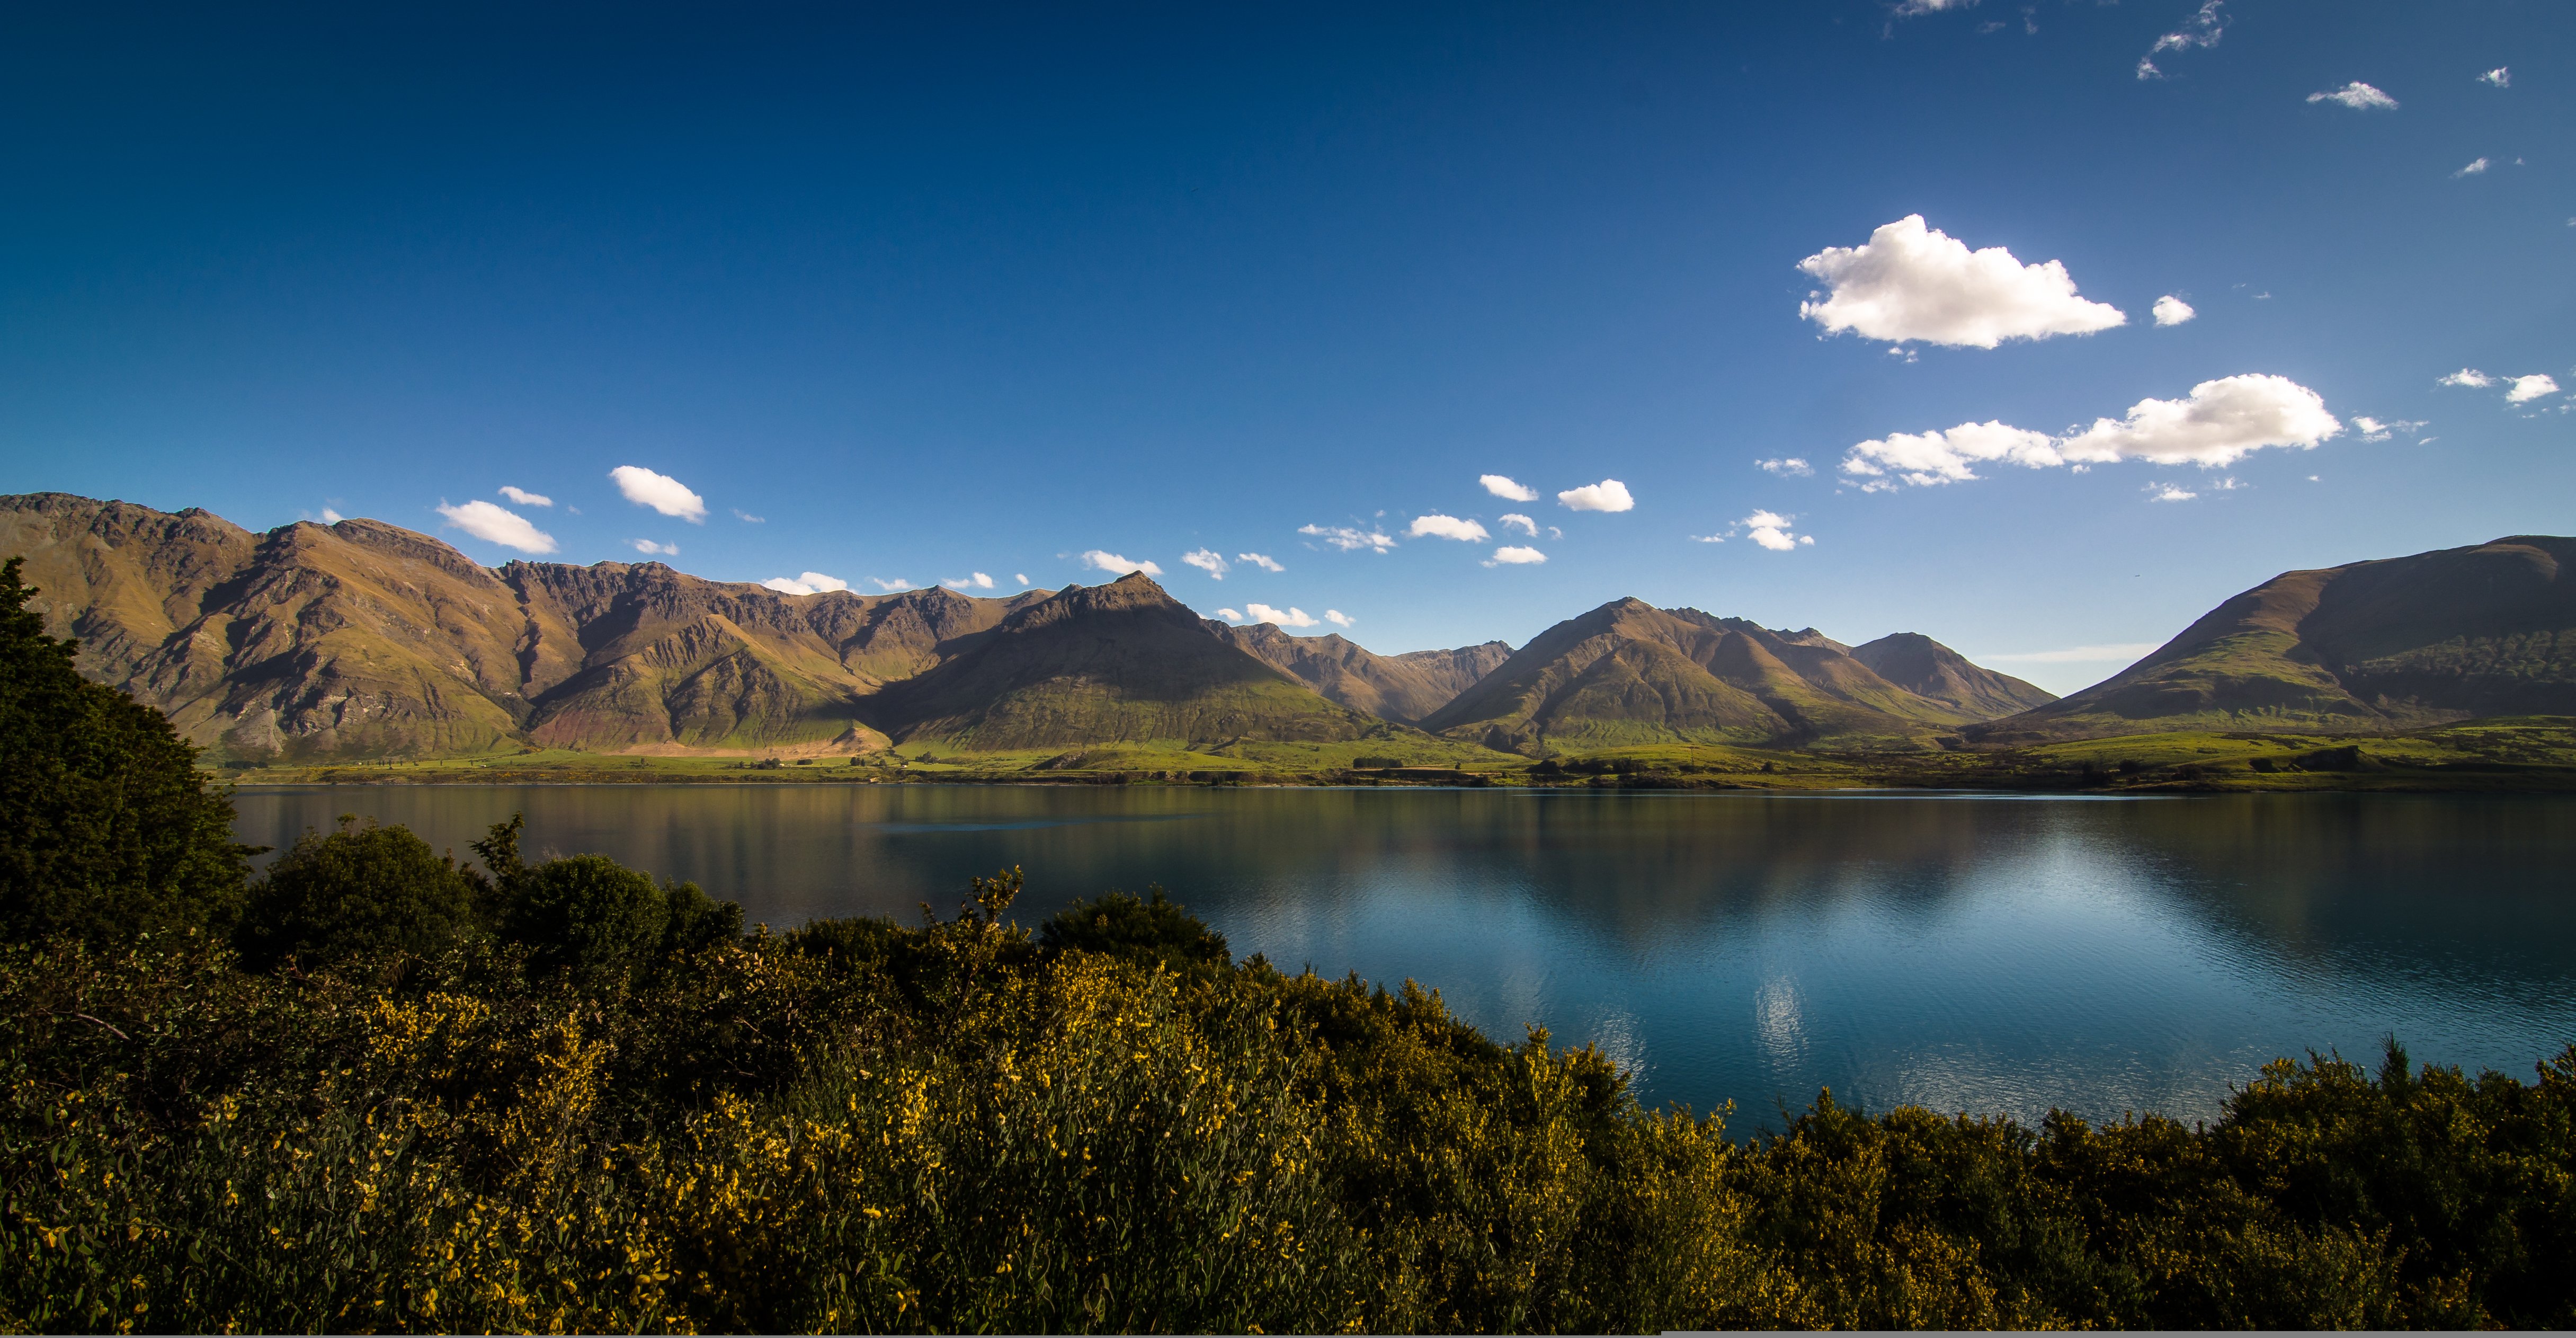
x=934, y=293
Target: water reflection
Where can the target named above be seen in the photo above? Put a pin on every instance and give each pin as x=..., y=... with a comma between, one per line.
x=1976, y=953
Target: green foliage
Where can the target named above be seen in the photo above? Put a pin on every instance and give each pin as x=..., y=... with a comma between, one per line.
x=587, y=914
x=106, y=828
x=360, y=890
x=1154, y=931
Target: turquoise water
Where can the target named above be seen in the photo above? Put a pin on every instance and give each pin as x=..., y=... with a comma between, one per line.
x=1985, y=953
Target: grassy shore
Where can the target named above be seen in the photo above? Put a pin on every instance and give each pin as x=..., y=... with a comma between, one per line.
x=2521, y=754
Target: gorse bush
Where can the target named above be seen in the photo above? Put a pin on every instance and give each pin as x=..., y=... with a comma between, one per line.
x=383, y=1090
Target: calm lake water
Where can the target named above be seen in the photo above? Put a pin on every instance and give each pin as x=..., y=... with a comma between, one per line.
x=1981, y=953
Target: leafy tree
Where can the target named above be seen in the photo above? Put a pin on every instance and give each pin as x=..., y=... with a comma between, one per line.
x=1152, y=931
x=358, y=890
x=592, y=915
x=106, y=827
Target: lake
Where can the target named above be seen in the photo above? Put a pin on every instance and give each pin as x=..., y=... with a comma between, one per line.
x=2000, y=954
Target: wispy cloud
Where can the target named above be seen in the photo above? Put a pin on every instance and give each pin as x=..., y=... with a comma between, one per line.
x=977, y=581
x=1789, y=465
x=1506, y=489
x=2473, y=169
x=1261, y=560
x=1338, y=618
x=1116, y=565
x=492, y=525
x=1446, y=527
x=1514, y=521
x=2467, y=376
x=1913, y=283
x=747, y=518
x=887, y=586
x=1607, y=495
x=2201, y=31
x=1348, y=538
x=2167, y=492
x=1207, y=560
x=2499, y=77
x=2358, y=96
x=659, y=550
x=524, y=497
x=661, y=492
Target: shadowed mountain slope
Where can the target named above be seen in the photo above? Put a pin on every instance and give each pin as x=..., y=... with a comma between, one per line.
x=1402, y=688
x=1116, y=663
x=362, y=639
x=1926, y=668
x=2399, y=643
x=1631, y=673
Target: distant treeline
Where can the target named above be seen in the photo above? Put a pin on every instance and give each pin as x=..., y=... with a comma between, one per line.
x=378, y=1089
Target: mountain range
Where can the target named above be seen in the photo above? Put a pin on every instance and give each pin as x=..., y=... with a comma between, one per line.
x=360, y=639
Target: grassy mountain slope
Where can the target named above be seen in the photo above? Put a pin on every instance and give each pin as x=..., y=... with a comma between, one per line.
x=1629, y=673
x=1117, y=663
x=1926, y=668
x=1402, y=688
x=2401, y=643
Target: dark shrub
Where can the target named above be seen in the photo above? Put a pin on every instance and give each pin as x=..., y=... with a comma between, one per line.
x=358, y=890
x=587, y=914
x=1149, y=931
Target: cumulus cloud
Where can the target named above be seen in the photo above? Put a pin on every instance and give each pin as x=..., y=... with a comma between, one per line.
x=1607, y=495
x=1349, y=539
x=2499, y=77
x=1446, y=527
x=660, y=550
x=524, y=497
x=2473, y=169
x=1337, y=618
x=331, y=517
x=889, y=587
x=2172, y=310
x=1506, y=489
x=2219, y=423
x=977, y=581
x=661, y=492
x=492, y=525
x=1230, y=615
x=2529, y=388
x=1292, y=617
x=1207, y=560
x=1913, y=283
x=1116, y=565
x=2358, y=96
x=1787, y=464
x=1263, y=561
x=2201, y=30
x=806, y=583
x=2467, y=376
x=1927, y=458
x=2077, y=654
x=1770, y=529
x=1514, y=521
x=1515, y=556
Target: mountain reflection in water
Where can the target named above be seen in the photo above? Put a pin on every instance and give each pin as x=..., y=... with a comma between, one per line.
x=1982, y=953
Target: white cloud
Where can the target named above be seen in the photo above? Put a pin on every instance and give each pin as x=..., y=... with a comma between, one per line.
x=2222, y=421
x=2467, y=376
x=1263, y=613
x=1787, y=464
x=747, y=518
x=1230, y=615
x=1770, y=529
x=1349, y=539
x=809, y=583
x=492, y=525
x=1928, y=458
x=977, y=581
x=2201, y=30
x=660, y=550
x=2172, y=310
x=661, y=492
x=1338, y=618
x=524, y=497
x=1910, y=282
x=1207, y=560
x=1515, y=521
x=2166, y=492
x=1508, y=490
x=1021, y=577
x=2499, y=77
x=1116, y=565
x=2076, y=654
x=331, y=517
x=1446, y=527
x=2358, y=96
x=1261, y=560
x=2529, y=388
x=1909, y=9
x=1607, y=495
x=2374, y=430
x=1516, y=556
x=2219, y=423
x=2472, y=169
x=889, y=587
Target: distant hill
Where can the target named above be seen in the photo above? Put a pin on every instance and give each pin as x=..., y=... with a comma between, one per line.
x=1402, y=688
x=1118, y=663
x=2401, y=643
x=1926, y=668
x=1630, y=673
x=362, y=639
